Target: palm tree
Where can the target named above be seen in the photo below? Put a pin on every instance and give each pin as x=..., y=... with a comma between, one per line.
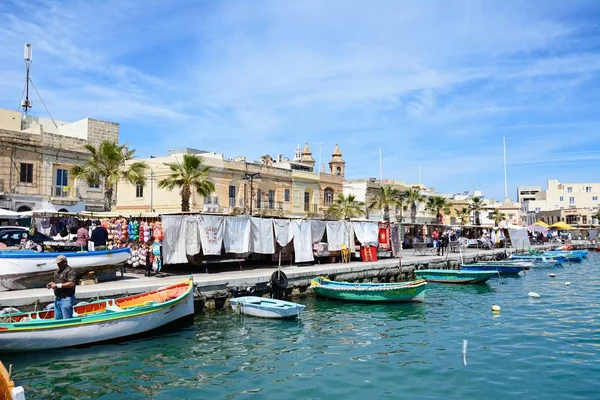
x=463, y=215
x=108, y=164
x=439, y=206
x=596, y=216
x=476, y=206
x=497, y=216
x=187, y=175
x=388, y=197
x=346, y=207
x=413, y=198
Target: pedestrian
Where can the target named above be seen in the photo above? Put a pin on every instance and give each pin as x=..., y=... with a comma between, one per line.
x=435, y=235
x=82, y=236
x=63, y=283
x=99, y=237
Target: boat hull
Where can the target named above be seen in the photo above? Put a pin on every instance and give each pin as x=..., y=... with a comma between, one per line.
x=455, y=276
x=373, y=292
x=507, y=270
x=45, y=334
x=34, y=270
x=266, y=308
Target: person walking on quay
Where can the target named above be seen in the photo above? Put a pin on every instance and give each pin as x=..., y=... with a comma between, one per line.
x=435, y=236
x=82, y=236
x=64, y=283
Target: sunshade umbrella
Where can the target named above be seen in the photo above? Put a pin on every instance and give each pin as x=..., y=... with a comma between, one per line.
x=562, y=225
x=542, y=223
x=537, y=228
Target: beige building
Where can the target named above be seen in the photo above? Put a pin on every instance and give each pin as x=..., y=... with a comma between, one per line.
x=36, y=156
x=269, y=187
x=576, y=217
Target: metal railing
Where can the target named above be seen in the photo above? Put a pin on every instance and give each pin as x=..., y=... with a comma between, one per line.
x=64, y=192
x=311, y=207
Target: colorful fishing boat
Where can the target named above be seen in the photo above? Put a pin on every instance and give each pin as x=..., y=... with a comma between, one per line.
x=369, y=292
x=28, y=269
x=8, y=390
x=541, y=261
x=454, y=276
x=573, y=256
x=98, y=321
x=536, y=258
x=502, y=269
x=266, y=308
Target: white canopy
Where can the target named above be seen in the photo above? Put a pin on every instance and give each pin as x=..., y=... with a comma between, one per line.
x=9, y=214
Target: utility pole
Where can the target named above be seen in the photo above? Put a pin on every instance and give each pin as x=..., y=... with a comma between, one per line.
x=151, y=190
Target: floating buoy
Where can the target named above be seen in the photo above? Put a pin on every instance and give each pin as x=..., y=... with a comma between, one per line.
x=533, y=294
x=552, y=275
x=496, y=308
x=567, y=283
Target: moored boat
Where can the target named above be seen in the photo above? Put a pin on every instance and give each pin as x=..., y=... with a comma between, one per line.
x=573, y=255
x=265, y=307
x=369, y=292
x=98, y=321
x=27, y=269
x=454, y=276
x=502, y=269
x=8, y=390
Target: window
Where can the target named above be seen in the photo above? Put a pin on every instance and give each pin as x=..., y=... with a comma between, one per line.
x=594, y=198
x=231, y=196
x=571, y=200
x=139, y=190
x=588, y=189
x=97, y=184
x=271, y=198
x=26, y=173
x=569, y=190
x=584, y=220
x=286, y=195
x=561, y=198
x=328, y=196
x=258, y=196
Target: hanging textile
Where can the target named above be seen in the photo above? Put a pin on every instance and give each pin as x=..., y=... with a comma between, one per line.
x=384, y=236
x=174, y=245
x=340, y=233
x=212, y=228
x=261, y=239
x=283, y=231
x=302, y=240
x=192, y=235
x=317, y=229
x=394, y=239
x=366, y=233
x=237, y=235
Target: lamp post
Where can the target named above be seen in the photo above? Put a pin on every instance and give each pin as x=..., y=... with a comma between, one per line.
x=250, y=177
x=151, y=190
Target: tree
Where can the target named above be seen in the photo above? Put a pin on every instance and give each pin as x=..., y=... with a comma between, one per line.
x=463, y=215
x=476, y=206
x=439, y=206
x=346, y=207
x=413, y=198
x=596, y=216
x=107, y=165
x=497, y=216
x=187, y=175
x=388, y=197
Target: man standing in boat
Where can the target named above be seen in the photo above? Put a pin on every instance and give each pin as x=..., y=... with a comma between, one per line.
x=64, y=283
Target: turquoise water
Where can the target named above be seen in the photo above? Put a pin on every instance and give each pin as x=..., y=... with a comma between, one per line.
x=545, y=348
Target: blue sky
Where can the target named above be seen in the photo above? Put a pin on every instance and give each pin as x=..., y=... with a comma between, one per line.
x=431, y=83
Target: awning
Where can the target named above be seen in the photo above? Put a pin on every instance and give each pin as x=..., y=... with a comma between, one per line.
x=542, y=223
x=562, y=225
x=9, y=214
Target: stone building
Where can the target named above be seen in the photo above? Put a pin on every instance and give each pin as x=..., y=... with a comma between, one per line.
x=36, y=155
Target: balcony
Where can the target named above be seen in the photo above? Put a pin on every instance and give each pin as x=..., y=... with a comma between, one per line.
x=268, y=205
x=66, y=193
x=311, y=208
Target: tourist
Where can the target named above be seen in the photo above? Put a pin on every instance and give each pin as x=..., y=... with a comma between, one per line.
x=435, y=236
x=64, y=283
x=99, y=237
x=82, y=236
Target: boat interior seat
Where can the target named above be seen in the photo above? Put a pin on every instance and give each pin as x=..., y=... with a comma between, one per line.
x=113, y=307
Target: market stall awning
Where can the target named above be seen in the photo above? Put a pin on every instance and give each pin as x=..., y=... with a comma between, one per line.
x=542, y=223
x=9, y=214
x=562, y=225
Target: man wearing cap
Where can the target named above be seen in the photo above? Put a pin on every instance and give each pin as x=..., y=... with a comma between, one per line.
x=64, y=289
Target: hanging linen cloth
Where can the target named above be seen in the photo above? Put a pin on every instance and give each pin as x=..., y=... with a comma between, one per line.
x=237, y=235
x=339, y=233
x=192, y=235
x=317, y=229
x=212, y=228
x=302, y=240
x=366, y=233
x=261, y=238
x=174, y=245
x=283, y=231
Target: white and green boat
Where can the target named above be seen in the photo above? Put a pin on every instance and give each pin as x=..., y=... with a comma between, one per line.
x=454, y=276
x=369, y=292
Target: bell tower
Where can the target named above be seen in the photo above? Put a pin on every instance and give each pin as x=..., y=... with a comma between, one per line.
x=337, y=165
x=307, y=157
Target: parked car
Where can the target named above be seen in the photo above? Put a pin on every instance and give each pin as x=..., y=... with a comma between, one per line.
x=3, y=228
x=12, y=237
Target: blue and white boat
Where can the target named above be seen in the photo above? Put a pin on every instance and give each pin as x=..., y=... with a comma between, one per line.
x=27, y=269
x=539, y=261
x=266, y=308
x=572, y=255
x=502, y=269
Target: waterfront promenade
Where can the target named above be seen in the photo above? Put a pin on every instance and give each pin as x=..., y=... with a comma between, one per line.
x=214, y=288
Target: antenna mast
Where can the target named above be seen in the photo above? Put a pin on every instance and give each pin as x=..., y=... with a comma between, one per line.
x=26, y=104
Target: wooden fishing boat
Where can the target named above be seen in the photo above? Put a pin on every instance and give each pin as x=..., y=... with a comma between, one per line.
x=502, y=269
x=573, y=255
x=541, y=261
x=266, y=308
x=98, y=321
x=8, y=390
x=536, y=258
x=369, y=292
x=454, y=276
x=27, y=269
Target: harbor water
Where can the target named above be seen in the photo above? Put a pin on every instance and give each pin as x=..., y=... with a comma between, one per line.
x=535, y=348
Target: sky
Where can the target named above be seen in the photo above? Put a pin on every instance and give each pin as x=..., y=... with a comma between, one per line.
x=434, y=85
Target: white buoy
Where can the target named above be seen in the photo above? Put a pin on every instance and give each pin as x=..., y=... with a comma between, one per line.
x=533, y=294
x=496, y=308
x=567, y=283
x=552, y=275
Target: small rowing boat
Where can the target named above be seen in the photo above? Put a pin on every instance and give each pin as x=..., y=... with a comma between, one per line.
x=502, y=269
x=454, y=276
x=98, y=321
x=369, y=292
x=266, y=308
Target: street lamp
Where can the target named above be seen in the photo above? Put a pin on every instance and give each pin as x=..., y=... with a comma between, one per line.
x=248, y=177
